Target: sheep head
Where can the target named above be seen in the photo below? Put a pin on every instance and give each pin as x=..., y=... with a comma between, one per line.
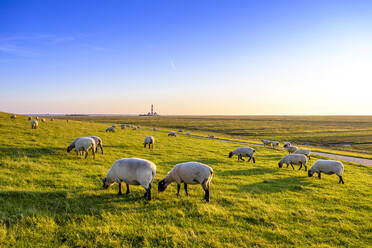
x=310, y=173
x=162, y=185
x=231, y=154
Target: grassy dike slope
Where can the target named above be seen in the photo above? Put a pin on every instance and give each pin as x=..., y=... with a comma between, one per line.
x=49, y=198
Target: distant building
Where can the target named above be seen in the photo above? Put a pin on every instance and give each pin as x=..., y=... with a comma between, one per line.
x=151, y=113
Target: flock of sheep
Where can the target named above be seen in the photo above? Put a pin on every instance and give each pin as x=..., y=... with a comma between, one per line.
x=136, y=171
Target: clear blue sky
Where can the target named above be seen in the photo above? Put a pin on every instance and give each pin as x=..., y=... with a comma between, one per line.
x=186, y=57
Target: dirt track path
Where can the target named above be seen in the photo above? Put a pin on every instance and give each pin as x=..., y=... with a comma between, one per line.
x=357, y=160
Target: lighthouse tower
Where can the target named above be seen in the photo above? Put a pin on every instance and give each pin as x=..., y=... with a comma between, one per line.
x=152, y=109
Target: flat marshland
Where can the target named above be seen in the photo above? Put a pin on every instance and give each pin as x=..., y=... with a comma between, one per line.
x=51, y=198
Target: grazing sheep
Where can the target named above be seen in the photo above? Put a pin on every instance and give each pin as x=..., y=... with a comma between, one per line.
x=13, y=117
x=211, y=136
x=172, y=134
x=51, y=119
x=72, y=145
x=122, y=126
x=37, y=117
x=98, y=141
x=188, y=173
x=275, y=143
x=291, y=149
x=34, y=124
x=149, y=140
x=188, y=133
x=328, y=167
x=134, y=128
x=29, y=118
x=154, y=129
x=286, y=143
x=243, y=152
x=180, y=130
x=67, y=121
x=304, y=151
x=85, y=144
x=292, y=159
x=266, y=142
x=131, y=171
x=110, y=129
x=138, y=127
x=42, y=120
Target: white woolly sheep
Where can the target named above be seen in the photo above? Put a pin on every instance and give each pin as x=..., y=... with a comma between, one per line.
x=34, y=124
x=328, y=167
x=188, y=173
x=286, y=143
x=98, y=141
x=304, y=151
x=188, y=133
x=291, y=149
x=172, y=134
x=275, y=143
x=149, y=140
x=13, y=116
x=85, y=144
x=291, y=159
x=266, y=142
x=72, y=145
x=131, y=171
x=243, y=152
x=211, y=136
x=37, y=117
x=42, y=119
x=110, y=129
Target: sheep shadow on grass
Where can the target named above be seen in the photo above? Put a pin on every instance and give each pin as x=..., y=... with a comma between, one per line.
x=17, y=152
x=276, y=185
x=249, y=172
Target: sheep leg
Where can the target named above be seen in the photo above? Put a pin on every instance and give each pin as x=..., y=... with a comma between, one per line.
x=206, y=189
x=100, y=146
x=178, y=189
x=249, y=159
x=292, y=166
x=305, y=167
x=187, y=193
x=300, y=166
x=120, y=193
x=149, y=146
x=127, y=189
x=86, y=154
x=341, y=180
x=309, y=157
x=254, y=160
x=144, y=145
x=148, y=193
x=94, y=154
x=319, y=176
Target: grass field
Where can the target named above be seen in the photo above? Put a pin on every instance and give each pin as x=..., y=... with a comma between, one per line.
x=51, y=198
x=328, y=132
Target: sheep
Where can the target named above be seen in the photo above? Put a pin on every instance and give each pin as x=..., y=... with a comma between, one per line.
x=42, y=119
x=275, y=143
x=149, y=140
x=131, y=171
x=304, y=151
x=51, y=119
x=180, y=130
x=85, y=144
x=122, y=126
x=243, y=152
x=72, y=145
x=188, y=173
x=13, y=117
x=328, y=167
x=292, y=159
x=34, y=124
x=110, y=129
x=172, y=134
x=134, y=128
x=211, y=136
x=98, y=141
x=291, y=149
x=29, y=118
x=154, y=129
x=138, y=127
x=37, y=117
x=266, y=142
x=188, y=133
x=67, y=121
x=286, y=143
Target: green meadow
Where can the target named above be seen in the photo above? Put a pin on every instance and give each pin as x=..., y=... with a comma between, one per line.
x=51, y=198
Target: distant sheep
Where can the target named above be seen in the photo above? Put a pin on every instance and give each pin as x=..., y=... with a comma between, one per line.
x=13, y=117
x=134, y=128
x=304, y=151
x=266, y=142
x=37, y=117
x=211, y=136
x=42, y=120
x=180, y=130
x=131, y=171
x=149, y=140
x=286, y=143
x=67, y=121
x=275, y=143
x=172, y=134
x=291, y=149
x=85, y=144
x=154, y=129
x=188, y=173
x=34, y=124
x=291, y=159
x=110, y=129
x=328, y=167
x=122, y=126
x=29, y=118
x=243, y=152
x=188, y=133
x=51, y=119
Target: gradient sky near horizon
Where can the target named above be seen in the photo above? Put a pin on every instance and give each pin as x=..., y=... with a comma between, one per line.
x=186, y=57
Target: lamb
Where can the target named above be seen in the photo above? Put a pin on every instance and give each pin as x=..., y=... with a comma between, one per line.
x=188, y=173
x=305, y=152
x=266, y=142
x=292, y=159
x=149, y=140
x=98, y=141
x=34, y=124
x=291, y=149
x=328, y=167
x=286, y=143
x=110, y=129
x=275, y=143
x=131, y=171
x=85, y=144
x=172, y=134
x=13, y=116
x=211, y=136
x=243, y=152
